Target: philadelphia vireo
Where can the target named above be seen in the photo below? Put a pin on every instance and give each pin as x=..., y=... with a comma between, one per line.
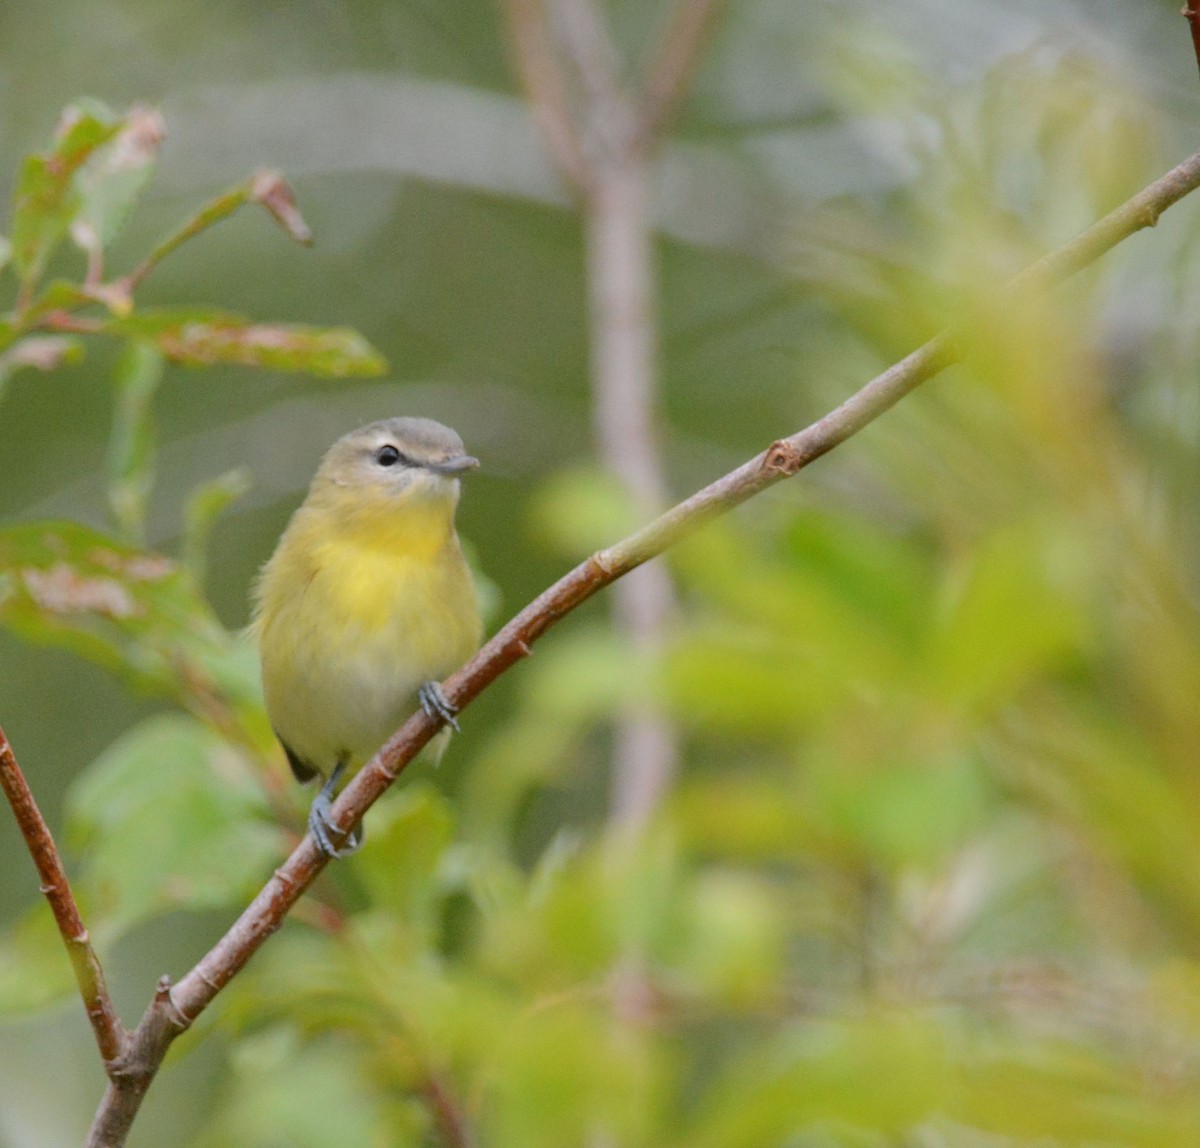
x=366, y=604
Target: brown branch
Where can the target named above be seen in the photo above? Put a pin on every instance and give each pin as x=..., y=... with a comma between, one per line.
x=670, y=72
x=451, y=1119
x=111, y=1037
x=131, y=1077
x=1191, y=12
x=781, y=459
x=536, y=64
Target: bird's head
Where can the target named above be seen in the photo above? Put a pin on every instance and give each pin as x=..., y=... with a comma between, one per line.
x=395, y=460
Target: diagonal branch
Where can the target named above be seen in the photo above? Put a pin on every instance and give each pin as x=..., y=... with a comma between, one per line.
x=670, y=72
x=536, y=63
x=111, y=1037
x=1191, y=12
x=588, y=43
x=780, y=460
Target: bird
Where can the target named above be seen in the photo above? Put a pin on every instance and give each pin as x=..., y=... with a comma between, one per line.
x=366, y=604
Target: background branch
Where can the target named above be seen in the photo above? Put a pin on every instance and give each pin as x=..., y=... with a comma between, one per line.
x=1191, y=12
x=536, y=65
x=616, y=144
x=111, y=1037
x=669, y=74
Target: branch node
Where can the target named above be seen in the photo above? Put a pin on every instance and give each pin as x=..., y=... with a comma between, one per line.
x=523, y=648
x=783, y=457
x=602, y=562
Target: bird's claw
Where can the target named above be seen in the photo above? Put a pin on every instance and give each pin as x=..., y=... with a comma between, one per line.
x=321, y=826
x=437, y=705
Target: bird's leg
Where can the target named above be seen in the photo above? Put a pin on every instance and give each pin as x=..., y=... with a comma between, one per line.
x=436, y=705
x=321, y=827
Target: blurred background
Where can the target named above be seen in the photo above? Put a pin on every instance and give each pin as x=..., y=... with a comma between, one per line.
x=924, y=868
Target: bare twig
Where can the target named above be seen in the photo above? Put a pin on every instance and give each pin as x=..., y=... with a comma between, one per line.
x=781, y=459
x=624, y=346
x=670, y=72
x=537, y=66
x=606, y=113
x=264, y=187
x=1191, y=11
x=616, y=141
x=451, y=1119
x=111, y=1037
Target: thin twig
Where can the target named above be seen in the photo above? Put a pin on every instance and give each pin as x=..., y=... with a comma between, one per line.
x=451, y=1119
x=616, y=200
x=588, y=43
x=111, y=1037
x=536, y=64
x=670, y=72
x=1191, y=12
x=624, y=367
x=781, y=459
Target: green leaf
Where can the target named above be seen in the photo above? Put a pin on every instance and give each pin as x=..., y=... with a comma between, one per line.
x=1017, y=614
x=41, y=352
x=898, y=812
x=570, y=1076
x=111, y=181
x=307, y=1094
x=131, y=611
x=46, y=196
x=410, y=832
x=734, y=947
x=131, y=446
x=200, y=338
x=204, y=504
x=886, y=1072
x=169, y=817
x=581, y=510
x=35, y=970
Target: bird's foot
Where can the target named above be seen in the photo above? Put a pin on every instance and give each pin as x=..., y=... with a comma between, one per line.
x=436, y=705
x=320, y=823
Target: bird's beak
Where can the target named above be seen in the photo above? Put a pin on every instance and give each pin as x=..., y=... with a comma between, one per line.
x=453, y=467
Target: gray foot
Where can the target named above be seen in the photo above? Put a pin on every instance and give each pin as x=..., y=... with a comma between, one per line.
x=321, y=826
x=434, y=703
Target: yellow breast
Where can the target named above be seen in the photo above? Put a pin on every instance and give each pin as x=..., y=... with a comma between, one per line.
x=357, y=609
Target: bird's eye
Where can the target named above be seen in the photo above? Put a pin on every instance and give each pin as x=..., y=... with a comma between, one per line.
x=387, y=455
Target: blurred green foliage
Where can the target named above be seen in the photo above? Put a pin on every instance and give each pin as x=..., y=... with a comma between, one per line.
x=931, y=871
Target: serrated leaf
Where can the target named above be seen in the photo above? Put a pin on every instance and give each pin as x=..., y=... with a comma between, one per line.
x=131, y=447
x=46, y=195
x=197, y=338
x=168, y=817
